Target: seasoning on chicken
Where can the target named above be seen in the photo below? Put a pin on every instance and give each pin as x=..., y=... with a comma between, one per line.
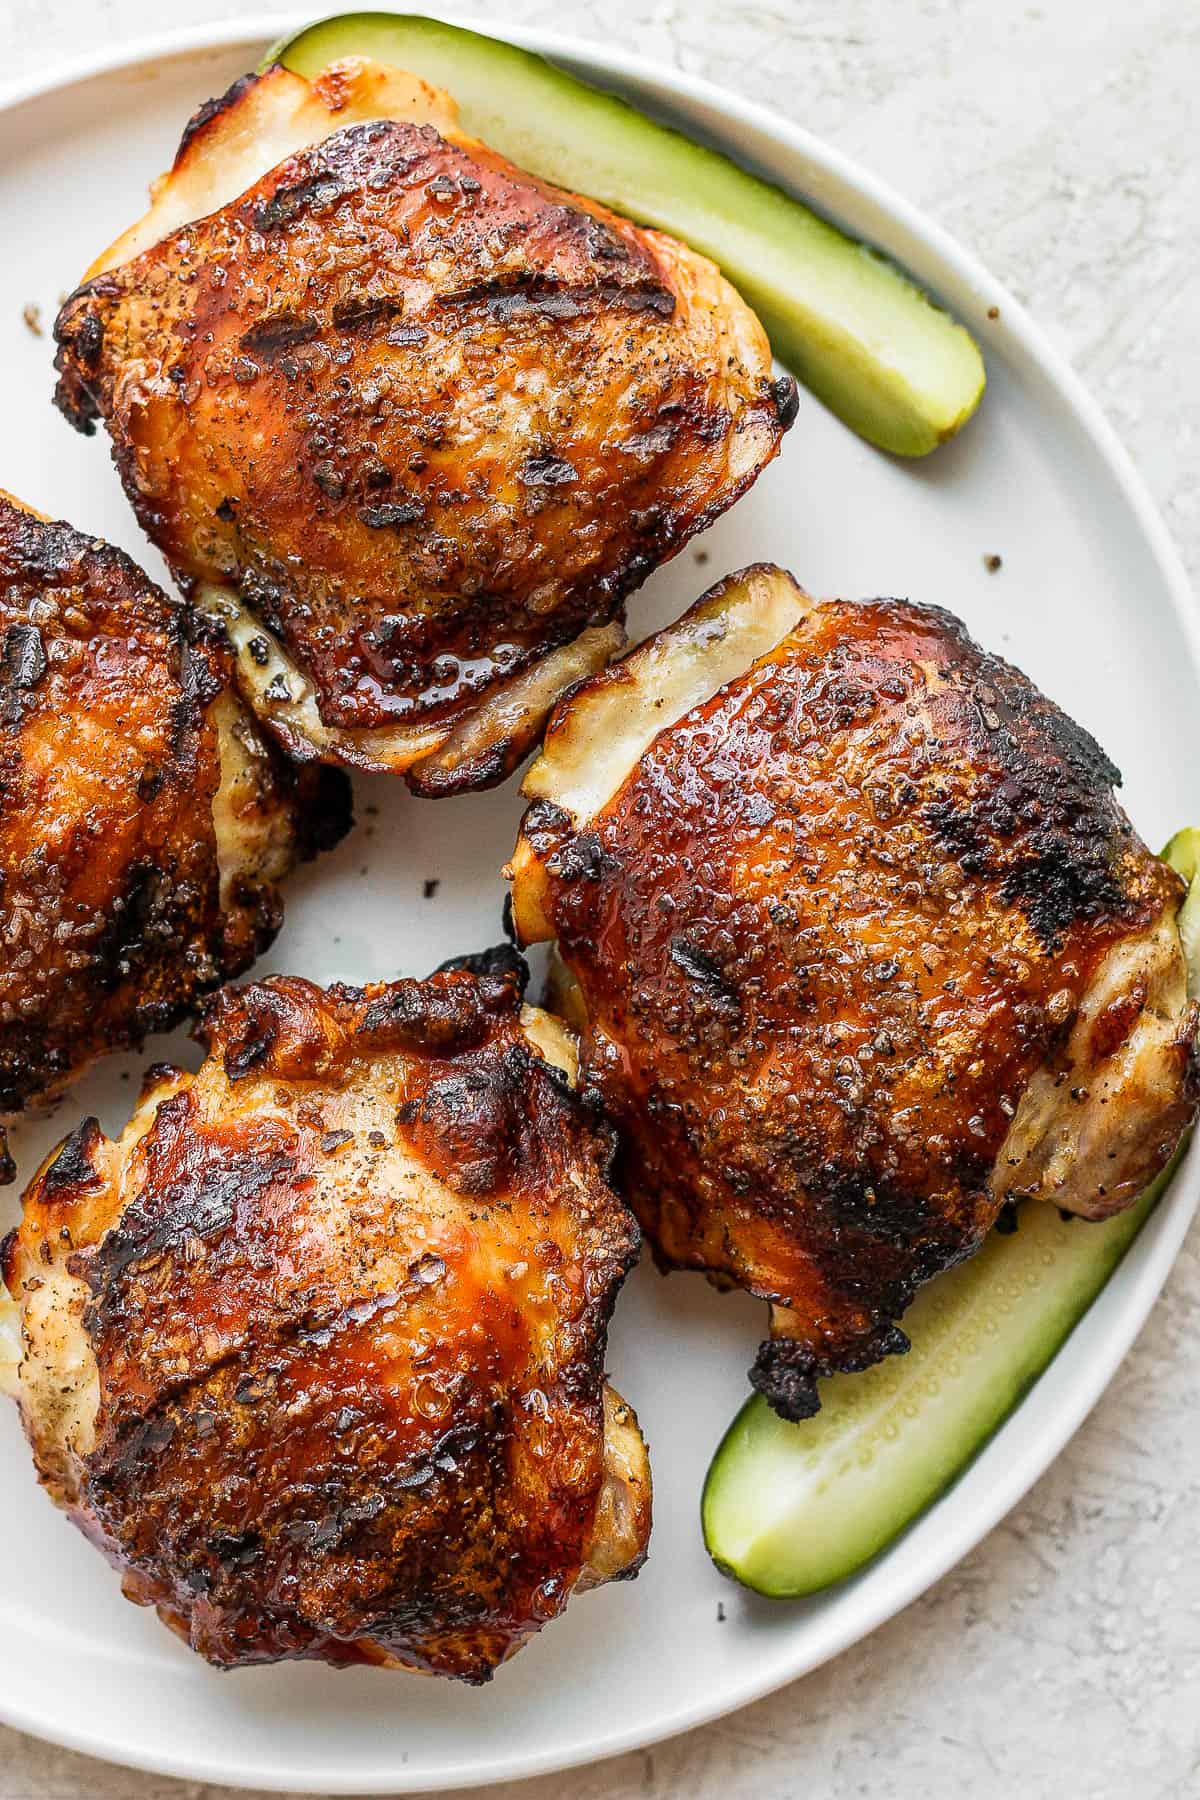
x=144, y=822
x=860, y=946
x=411, y=421
x=314, y=1350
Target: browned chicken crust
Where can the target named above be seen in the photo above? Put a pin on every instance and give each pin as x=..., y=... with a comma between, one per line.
x=431, y=417
x=315, y=1351
x=826, y=935
x=143, y=822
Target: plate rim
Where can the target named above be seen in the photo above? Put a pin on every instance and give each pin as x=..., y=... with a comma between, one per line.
x=1164, y=1231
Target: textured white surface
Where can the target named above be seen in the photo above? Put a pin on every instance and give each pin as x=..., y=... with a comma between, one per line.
x=1058, y=142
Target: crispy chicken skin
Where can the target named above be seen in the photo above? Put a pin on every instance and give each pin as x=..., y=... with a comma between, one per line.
x=314, y=1351
x=861, y=946
x=419, y=421
x=144, y=823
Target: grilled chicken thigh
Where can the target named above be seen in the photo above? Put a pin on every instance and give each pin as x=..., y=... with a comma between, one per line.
x=861, y=947
x=144, y=823
x=314, y=1351
x=411, y=421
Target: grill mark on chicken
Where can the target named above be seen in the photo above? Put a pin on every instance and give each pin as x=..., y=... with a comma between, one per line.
x=1062, y=873
x=73, y=1168
x=315, y=196
x=363, y=311
x=24, y=656
x=192, y=1202
x=271, y=336
x=510, y=299
x=709, y=983
x=499, y=962
x=211, y=110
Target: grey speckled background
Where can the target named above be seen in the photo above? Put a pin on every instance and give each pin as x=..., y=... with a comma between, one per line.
x=1059, y=141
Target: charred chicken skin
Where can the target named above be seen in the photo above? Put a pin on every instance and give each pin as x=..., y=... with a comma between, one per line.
x=144, y=822
x=861, y=946
x=413, y=422
x=314, y=1351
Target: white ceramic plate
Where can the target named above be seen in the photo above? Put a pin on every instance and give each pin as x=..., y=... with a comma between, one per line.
x=1091, y=601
